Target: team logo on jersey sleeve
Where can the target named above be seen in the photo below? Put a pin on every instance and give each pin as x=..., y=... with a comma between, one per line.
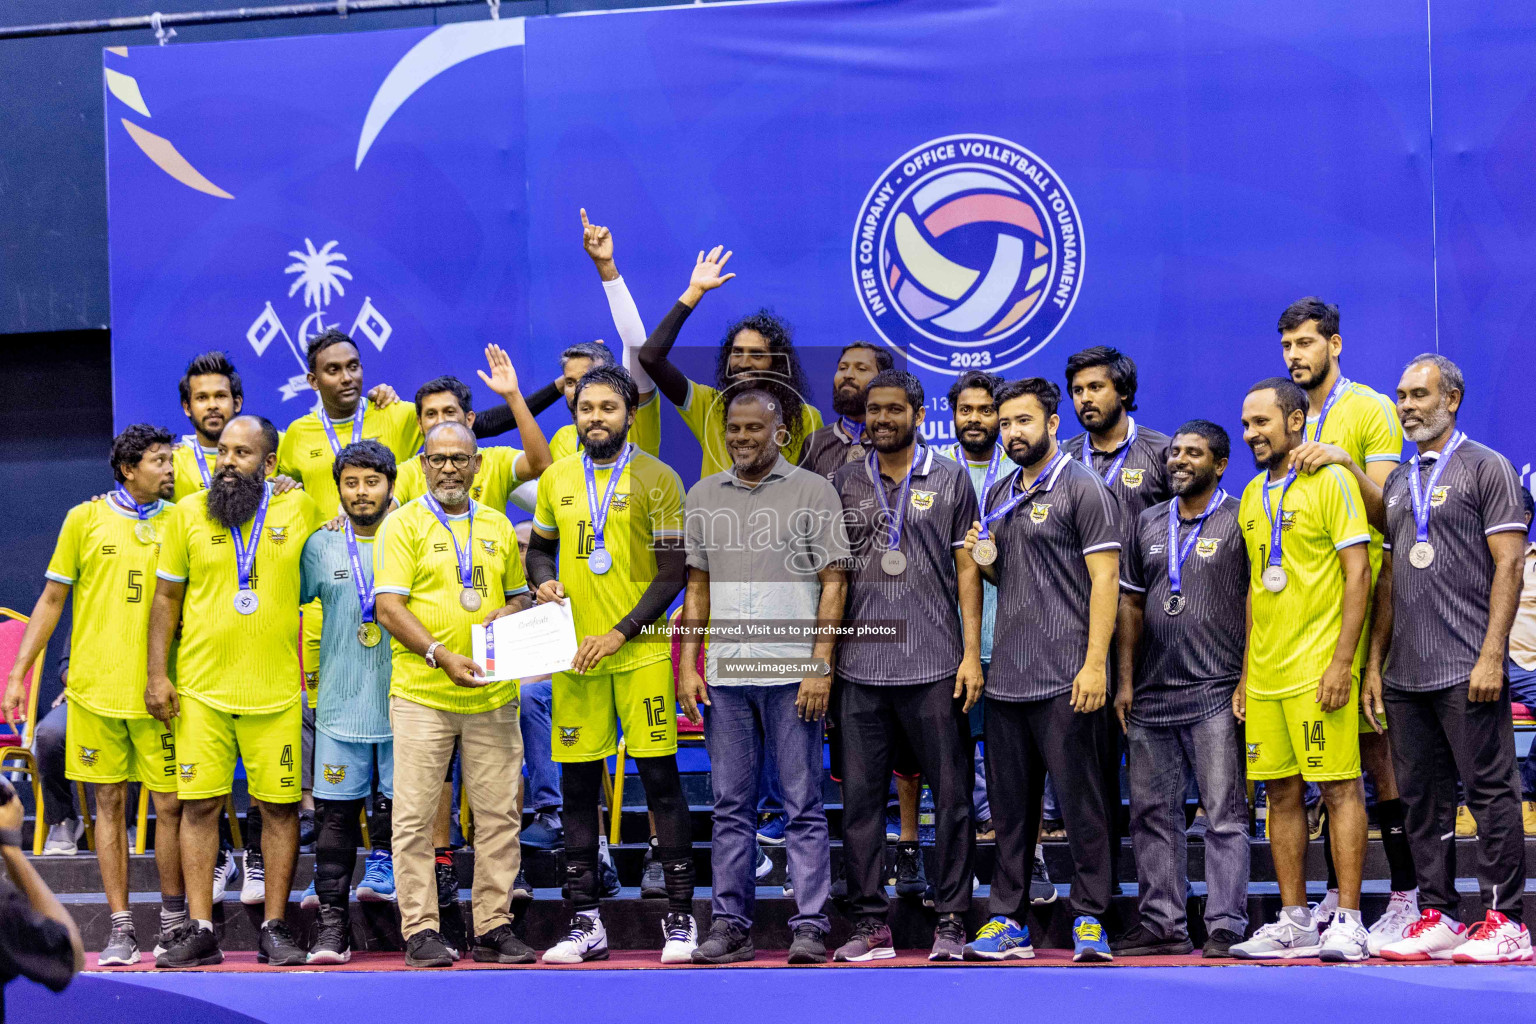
x=967, y=254
x=569, y=735
x=1438, y=494
x=1205, y=547
x=1039, y=512
x=922, y=501
x=335, y=774
x=1132, y=477
x=89, y=755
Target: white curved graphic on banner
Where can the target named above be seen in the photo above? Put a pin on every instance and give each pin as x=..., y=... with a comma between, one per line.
x=449, y=45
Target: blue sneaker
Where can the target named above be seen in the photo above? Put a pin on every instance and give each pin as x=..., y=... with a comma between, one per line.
x=544, y=832
x=770, y=829
x=1088, y=943
x=378, y=883
x=1000, y=939
x=311, y=899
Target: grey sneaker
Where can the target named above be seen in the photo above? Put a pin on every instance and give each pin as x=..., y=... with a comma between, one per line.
x=653, y=880
x=1283, y=939
x=809, y=946
x=64, y=838
x=122, y=947
x=871, y=940
x=948, y=939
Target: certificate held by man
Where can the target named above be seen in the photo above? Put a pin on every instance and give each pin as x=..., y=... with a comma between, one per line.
x=536, y=642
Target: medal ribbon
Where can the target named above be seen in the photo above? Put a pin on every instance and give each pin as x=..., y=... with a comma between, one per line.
x=599, y=510
x=123, y=500
x=893, y=530
x=245, y=557
x=852, y=429
x=357, y=426
x=1421, y=494
x=1044, y=481
x=200, y=457
x=1119, y=460
x=1333, y=396
x=464, y=555
x=364, y=586
x=1276, y=517
x=1177, y=552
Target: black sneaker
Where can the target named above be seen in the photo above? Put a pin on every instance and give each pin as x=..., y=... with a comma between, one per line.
x=1140, y=941
x=307, y=831
x=1041, y=891
x=809, y=946
x=191, y=946
x=948, y=939
x=428, y=949
x=1220, y=944
x=521, y=890
x=653, y=879
x=333, y=936
x=910, y=877
x=450, y=913
x=500, y=946
x=276, y=946
x=447, y=883
x=726, y=944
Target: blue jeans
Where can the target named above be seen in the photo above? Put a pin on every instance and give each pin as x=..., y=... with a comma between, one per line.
x=1157, y=823
x=770, y=795
x=538, y=765
x=1522, y=688
x=48, y=746
x=740, y=724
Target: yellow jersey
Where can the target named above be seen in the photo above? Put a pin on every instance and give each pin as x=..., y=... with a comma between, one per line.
x=239, y=664
x=108, y=555
x=646, y=432
x=189, y=480
x=306, y=455
x=706, y=419
x=494, y=483
x=414, y=557
x=647, y=506
x=1364, y=423
x=1296, y=631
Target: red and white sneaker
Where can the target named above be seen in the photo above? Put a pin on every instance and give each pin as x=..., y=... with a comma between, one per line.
x=1497, y=940
x=1432, y=937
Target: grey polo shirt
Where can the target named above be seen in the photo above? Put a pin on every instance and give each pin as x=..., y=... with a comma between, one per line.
x=1143, y=478
x=940, y=509
x=1043, y=584
x=830, y=448
x=1440, y=613
x=1188, y=664
x=763, y=545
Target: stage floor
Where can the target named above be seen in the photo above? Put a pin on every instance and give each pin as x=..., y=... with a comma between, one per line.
x=633, y=988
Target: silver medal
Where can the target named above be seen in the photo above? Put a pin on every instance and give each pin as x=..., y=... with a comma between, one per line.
x=469, y=598
x=245, y=602
x=985, y=551
x=894, y=563
x=1421, y=555
x=600, y=561
x=1274, y=578
x=1174, y=604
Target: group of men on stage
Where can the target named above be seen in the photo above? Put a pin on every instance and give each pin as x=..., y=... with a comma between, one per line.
x=1053, y=598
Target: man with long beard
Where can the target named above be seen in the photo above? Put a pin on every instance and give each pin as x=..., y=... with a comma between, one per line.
x=843, y=441
x=229, y=572
x=757, y=351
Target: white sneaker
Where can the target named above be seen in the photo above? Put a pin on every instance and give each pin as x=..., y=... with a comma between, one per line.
x=1322, y=913
x=1345, y=941
x=586, y=940
x=1432, y=937
x=1497, y=940
x=1284, y=939
x=1402, y=913
x=64, y=838
x=682, y=935
x=254, y=892
x=225, y=873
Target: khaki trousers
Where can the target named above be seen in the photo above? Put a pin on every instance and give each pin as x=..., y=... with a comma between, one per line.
x=491, y=745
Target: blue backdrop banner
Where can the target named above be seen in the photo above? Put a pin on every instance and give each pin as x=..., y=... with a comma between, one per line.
x=973, y=183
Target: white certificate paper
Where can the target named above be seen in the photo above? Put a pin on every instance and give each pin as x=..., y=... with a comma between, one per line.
x=536, y=642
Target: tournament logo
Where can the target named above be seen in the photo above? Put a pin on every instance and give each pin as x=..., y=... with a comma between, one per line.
x=968, y=254
x=1205, y=547
x=88, y=755
x=922, y=501
x=1039, y=512
x=188, y=771
x=569, y=736
x=1132, y=477
x=1438, y=494
x=335, y=774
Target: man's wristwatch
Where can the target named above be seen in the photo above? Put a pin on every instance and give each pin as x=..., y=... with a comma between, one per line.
x=431, y=659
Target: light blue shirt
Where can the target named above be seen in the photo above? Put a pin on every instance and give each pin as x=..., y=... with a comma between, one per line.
x=353, y=705
x=988, y=591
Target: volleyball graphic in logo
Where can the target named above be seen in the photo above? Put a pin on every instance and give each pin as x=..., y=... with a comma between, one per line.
x=968, y=254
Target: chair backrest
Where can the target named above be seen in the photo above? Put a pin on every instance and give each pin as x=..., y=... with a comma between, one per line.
x=13, y=625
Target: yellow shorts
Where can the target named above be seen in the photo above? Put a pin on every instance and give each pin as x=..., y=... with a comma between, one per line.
x=102, y=750
x=208, y=741
x=588, y=710
x=1293, y=736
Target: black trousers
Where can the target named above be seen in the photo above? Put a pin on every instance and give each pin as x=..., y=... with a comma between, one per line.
x=1025, y=740
x=1437, y=737
x=873, y=720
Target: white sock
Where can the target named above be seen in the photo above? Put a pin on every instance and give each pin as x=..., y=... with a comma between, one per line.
x=206, y=926
x=1346, y=914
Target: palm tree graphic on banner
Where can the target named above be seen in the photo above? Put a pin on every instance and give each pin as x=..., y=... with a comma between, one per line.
x=319, y=273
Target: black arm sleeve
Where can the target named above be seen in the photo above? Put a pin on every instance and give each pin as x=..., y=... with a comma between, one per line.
x=671, y=575
x=543, y=398
x=670, y=381
x=542, y=563
x=492, y=422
